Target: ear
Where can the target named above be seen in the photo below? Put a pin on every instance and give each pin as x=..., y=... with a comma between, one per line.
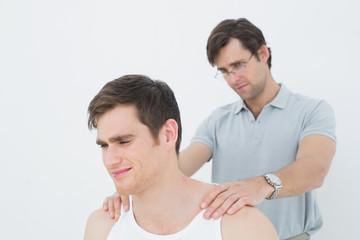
x=263, y=53
x=170, y=132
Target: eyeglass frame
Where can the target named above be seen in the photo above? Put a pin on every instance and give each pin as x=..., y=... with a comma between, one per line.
x=240, y=66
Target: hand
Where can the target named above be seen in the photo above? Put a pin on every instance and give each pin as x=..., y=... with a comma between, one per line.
x=112, y=204
x=231, y=197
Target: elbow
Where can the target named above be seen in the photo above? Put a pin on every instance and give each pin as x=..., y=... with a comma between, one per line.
x=320, y=178
x=319, y=183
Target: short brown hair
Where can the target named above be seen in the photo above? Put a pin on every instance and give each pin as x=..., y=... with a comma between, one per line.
x=154, y=100
x=242, y=29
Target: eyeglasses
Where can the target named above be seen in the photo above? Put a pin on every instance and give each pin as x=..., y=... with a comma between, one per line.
x=238, y=69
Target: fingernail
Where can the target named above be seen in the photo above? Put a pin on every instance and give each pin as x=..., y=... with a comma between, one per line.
x=215, y=214
x=104, y=206
x=116, y=216
x=230, y=211
x=125, y=207
x=207, y=214
x=203, y=205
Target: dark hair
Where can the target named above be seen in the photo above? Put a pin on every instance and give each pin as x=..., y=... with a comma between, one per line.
x=247, y=33
x=154, y=100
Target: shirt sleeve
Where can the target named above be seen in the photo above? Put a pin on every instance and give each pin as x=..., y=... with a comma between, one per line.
x=205, y=133
x=320, y=120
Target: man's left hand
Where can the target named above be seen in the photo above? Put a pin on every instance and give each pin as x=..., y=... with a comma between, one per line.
x=231, y=197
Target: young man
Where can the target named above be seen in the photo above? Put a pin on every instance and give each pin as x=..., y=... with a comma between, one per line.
x=271, y=144
x=139, y=131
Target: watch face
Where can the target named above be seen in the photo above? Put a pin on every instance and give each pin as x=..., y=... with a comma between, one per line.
x=273, y=178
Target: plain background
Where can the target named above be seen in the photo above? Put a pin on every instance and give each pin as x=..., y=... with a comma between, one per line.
x=56, y=55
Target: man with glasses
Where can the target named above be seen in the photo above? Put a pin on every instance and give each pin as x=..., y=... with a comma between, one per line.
x=271, y=144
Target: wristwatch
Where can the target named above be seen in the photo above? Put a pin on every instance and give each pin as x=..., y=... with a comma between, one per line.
x=274, y=181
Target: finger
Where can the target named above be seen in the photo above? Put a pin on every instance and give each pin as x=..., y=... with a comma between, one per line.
x=117, y=206
x=111, y=208
x=237, y=205
x=105, y=205
x=125, y=202
x=209, y=198
x=224, y=207
x=226, y=200
x=219, y=200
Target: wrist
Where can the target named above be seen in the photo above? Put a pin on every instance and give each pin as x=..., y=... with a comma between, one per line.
x=266, y=189
x=275, y=183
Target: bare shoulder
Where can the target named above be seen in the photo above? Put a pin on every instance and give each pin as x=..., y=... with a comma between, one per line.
x=98, y=225
x=248, y=223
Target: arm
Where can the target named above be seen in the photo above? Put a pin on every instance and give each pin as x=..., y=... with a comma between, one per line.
x=312, y=164
x=98, y=226
x=248, y=223
x=194, y=157
x=306, y=173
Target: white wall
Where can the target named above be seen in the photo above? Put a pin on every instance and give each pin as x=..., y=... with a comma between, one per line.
x=56, y=55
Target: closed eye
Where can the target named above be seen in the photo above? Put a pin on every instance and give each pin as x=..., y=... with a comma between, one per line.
x=224, y=71
x=238, y=64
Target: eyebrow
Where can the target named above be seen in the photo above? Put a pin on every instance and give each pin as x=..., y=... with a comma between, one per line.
x=115, y=139
x=232, y=64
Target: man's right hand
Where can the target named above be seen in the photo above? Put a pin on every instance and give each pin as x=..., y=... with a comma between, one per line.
x=112, y=204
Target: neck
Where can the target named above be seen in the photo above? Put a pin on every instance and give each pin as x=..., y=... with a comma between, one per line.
x=269, y=92
x=170, y=204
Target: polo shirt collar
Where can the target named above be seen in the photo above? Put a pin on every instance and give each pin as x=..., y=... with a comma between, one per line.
x=281, y=98
x=240, y=105
x=279, y=101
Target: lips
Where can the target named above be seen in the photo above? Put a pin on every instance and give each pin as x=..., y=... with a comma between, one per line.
x=240, y=88
x=121, y=172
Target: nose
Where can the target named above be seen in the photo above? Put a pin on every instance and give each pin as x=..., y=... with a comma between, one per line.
x=232, y=78
x=112, y=156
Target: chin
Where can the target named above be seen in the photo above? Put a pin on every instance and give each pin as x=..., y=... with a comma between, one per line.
x=122, y=191
x=125, y=190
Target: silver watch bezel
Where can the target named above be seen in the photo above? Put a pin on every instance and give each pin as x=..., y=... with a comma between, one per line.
x=274, y=181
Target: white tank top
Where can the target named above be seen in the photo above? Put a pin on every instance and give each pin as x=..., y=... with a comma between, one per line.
x=199, y=228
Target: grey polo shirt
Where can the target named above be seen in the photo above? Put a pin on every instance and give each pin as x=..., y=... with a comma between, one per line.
x=245, y=147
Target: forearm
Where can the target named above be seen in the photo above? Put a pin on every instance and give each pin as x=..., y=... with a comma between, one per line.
x=193, y=158
x=300, y=177
x=310, y=168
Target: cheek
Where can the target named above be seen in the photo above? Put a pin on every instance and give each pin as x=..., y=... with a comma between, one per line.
x=142, y=156
x=259, y=72
x=147, y=163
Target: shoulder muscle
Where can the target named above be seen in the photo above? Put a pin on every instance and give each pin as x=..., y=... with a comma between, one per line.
x=248, y=223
